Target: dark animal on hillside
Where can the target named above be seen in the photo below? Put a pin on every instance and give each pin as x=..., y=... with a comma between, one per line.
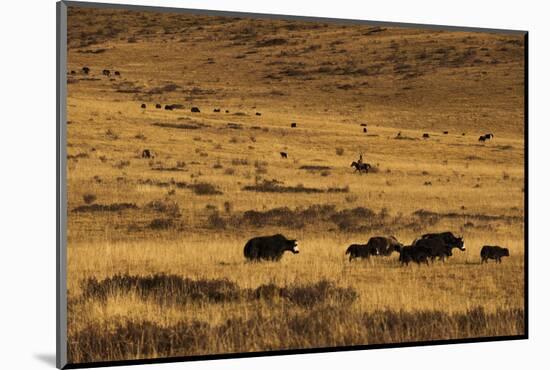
x=86, y=70
x=451, y=241
x=489, y=136
x=493, y=252
x=258, y=114
x=363, y=125
x=426, y=136
x=106, y=72
x=365, y=130
x=361, y=167
x=398, y=134
x=384, y=245
x=361, y=251
x=293, y=125
x=143, y=105
x=226, y=111
x=146, y=153
x=463, y=134
x=269, y=247
x=73, y=72
x=284, y=155
x=435, y=247
x=195, y=110
x=158, y=106
x=445, y=132
x=117, y=73
x=412, y=253
x=216, y=110
x=481, y=138
x=168, y=107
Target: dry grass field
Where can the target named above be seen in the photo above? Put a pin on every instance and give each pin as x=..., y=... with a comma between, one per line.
x=155, y=245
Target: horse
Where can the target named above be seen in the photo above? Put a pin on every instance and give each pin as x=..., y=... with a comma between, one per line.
x=361, y=166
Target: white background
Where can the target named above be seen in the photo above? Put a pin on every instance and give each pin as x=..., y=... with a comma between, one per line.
x=27, y=182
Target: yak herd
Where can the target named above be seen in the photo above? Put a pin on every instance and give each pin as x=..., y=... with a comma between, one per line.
x=425, y=249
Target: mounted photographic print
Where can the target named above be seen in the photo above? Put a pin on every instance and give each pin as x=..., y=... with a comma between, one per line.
x=236, y=184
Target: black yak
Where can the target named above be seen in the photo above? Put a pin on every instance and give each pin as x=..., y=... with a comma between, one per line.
x=413, y=253
x=269, y=247
x=360, y=251
x=493, y=252
x=385, y=245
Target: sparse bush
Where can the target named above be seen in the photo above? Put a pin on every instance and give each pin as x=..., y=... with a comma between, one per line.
x=228, y=207
x=339, y=151
x=111, y=135
x=215, y=221
x=204, y=188
x=161, y=223
x=168, y=207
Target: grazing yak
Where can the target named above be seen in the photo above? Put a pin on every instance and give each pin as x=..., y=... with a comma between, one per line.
x=361, y=251
x=293, y=125
x=493, y=252
x=413, y=253
x=361, y=167
x=488, y=136
x=106, y=72
x=86, y=70
x=284, y=155
x=435, y=247
x=269, y=247
x=146, y=153
x=258, y=114
x=117, y=73
x=445, y=132
x=426, y=136
x=217, y=110
x=384, y=245
x=158, y=106
x=168, y=107
x=365, y=130
x=448, y=238
x=143, y=105
x=195, y=110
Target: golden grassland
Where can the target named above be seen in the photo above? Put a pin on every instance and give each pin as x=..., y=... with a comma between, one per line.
x=155, y=246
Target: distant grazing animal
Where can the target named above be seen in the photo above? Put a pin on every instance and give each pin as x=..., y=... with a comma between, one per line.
x=384, y=245
x=146, y=153
x=195, y=110
x=493, y=252
x=360, y=251
x=269, y=247
x=293, y=125
x=426, y=136
x=143, y=105
x=226, y=111
x=117, y=73
x=216, y=110
x=463, y=134
x=398, y=134
x=435, y=247
x=486, y=137
x=258, y=114
x=158, y=106
x=168, y=107
x=445, y=132
x=449, y=238
x=363, y=125
x=106, y=72
x=365, y=130
x=284, y=155
x=86, y=70
x=73, y=72
x=361, y=167
x=412, y=253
